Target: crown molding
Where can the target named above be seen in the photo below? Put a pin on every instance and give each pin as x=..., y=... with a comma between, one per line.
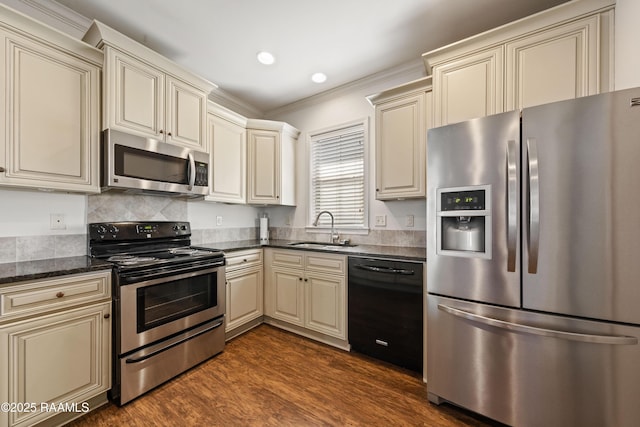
x=53, y=14
x=411, y=68
x=220, y=96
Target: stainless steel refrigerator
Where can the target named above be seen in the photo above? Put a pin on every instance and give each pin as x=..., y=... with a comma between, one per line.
x=533, y=263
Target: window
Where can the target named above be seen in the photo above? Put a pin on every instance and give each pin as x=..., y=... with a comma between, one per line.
x=337, y=176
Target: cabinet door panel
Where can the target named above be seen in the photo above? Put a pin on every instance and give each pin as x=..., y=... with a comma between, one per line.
x=186, y=115
x=325, y=304
x=263, y=167
x=52, y=117
x=244, y=294
x=288, y=291
x=469, y=87
x=136, y=95
x=558, y=64
x=57, y=358
x=228, y=147
x=400, y=148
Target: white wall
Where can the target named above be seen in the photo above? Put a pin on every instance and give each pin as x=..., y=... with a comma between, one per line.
x=627, y=53
x=27, y=213
x=340, y=106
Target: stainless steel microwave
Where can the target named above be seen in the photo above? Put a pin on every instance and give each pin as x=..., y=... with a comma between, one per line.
x=138, y=164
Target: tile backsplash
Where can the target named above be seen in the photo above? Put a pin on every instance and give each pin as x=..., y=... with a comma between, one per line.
x=134, y=207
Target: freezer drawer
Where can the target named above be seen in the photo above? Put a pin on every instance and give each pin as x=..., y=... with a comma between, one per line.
x=529, y=369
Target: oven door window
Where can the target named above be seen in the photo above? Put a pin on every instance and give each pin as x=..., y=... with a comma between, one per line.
x=169, y=301
x=143, y=164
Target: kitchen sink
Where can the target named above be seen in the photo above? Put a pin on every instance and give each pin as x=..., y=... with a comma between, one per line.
x=321, y=245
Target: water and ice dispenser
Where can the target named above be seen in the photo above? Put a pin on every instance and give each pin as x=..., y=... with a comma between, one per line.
x=464, y=221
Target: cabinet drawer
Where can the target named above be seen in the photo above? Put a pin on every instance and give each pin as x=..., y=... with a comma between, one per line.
x=243, y=259
x=326, y=263
x=51, y=294
x=288, y=258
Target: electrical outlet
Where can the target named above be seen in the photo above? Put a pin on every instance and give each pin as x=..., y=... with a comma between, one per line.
x=288, y=220
x=381, y=220
x=409, y=221
x=57, y=222
x=219, y=220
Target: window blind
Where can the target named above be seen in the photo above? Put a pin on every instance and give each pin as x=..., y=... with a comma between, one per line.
x=337, y=176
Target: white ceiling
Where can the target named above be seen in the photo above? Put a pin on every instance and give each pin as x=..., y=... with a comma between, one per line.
x=345, y=39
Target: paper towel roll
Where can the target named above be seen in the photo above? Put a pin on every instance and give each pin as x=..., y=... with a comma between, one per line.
x=264, y=229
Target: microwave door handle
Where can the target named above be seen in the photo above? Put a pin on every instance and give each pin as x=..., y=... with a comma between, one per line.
x=191, y=171
x=512, y=205
x=534, y=205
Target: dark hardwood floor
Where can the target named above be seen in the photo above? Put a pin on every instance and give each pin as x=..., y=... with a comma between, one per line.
x=269, y=377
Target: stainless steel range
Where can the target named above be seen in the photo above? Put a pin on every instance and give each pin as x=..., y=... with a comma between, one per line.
x=169, y=302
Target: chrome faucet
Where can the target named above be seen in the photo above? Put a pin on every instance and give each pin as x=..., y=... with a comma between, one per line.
x=335, y=237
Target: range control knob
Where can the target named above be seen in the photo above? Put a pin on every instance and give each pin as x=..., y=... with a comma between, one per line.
x=101, y=229
x=113, y=229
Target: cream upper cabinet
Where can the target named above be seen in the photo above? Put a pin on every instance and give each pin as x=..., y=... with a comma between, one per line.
x=149, y=95
x=55, y=342
x=271, y=151
x=468, y=87
x=560, y=63
x=50, y=108
x=561, y=53
x=136, y=95
x=403, y=115
x=227, y=135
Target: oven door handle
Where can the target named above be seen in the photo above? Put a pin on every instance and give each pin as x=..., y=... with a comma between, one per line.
x=155, y=350
x=133, y=277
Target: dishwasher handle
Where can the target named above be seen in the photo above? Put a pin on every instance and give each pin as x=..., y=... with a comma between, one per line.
x=386, y=270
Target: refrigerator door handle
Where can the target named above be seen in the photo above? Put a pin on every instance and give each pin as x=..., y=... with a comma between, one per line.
x=534, y=205
x=532, y=330
x=512, y=205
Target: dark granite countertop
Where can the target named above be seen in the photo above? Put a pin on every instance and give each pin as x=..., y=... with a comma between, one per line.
x=395, y=252
x=41, y=269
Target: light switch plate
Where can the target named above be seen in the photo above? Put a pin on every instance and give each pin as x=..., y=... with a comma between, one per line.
x=409, y=221
x=381, y=220
x=219, y=220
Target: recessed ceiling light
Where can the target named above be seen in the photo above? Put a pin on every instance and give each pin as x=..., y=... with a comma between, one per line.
x=266, y=58
x=319, y=77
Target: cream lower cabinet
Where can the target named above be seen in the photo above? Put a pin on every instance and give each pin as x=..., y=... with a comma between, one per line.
x=227, y=135
x=50, y=108
x=244, y=279
x=55, y=341
x=307, y=289
x=403, y=115
x=562, y=53
x=271, y=174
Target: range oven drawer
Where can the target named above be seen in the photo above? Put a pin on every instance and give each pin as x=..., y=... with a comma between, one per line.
x=143, y=370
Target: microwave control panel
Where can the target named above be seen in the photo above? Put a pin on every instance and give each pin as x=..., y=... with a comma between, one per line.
x=202, y=174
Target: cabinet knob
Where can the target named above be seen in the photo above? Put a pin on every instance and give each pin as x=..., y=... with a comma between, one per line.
x=2, y=169
x=59, y=294
x=306, y=280
x=161, y=131
x=169, y=133
x=300, y=278
x=107, y=315
x=244, y=260
x=377, y=189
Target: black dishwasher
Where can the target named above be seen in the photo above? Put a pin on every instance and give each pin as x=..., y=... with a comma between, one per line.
x=385, y=310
